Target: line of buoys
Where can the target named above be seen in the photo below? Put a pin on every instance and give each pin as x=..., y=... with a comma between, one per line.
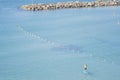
x=76, y=4
x=74, y=50
x=57, y=46
x=37, y=36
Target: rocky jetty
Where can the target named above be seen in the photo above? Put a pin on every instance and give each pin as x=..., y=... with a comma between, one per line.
x=76, y=4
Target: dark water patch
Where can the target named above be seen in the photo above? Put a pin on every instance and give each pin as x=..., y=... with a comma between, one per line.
x=68, y=48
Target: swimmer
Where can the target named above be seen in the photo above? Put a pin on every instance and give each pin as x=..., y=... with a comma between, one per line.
x=85, y=66
x=85, y=69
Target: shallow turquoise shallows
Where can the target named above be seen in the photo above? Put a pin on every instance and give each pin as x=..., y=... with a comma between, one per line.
x=54, y=45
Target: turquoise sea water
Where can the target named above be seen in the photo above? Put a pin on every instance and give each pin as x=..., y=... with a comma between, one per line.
x=54, y=45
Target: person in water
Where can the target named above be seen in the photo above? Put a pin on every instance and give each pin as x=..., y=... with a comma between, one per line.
x=85, y=66
x=85, y=69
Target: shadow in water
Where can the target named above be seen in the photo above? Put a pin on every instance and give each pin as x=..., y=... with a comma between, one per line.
x=87, y=74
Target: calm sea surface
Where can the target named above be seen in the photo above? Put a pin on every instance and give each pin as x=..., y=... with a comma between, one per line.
x=54, y=45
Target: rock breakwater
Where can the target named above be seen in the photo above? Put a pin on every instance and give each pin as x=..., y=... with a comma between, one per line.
x=76, y=4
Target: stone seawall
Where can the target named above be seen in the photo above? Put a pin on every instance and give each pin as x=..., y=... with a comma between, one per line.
x=76, y=4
